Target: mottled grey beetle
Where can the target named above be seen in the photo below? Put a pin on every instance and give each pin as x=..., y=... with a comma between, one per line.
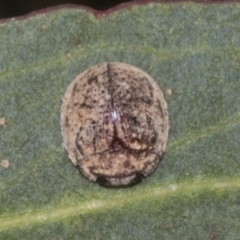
x=114, y=122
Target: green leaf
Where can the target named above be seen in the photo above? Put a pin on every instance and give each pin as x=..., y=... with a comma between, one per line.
x=193, y=52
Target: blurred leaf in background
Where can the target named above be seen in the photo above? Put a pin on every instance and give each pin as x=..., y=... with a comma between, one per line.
x=13, y=8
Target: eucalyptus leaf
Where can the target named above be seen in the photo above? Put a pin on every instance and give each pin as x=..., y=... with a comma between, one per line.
x=193, y=52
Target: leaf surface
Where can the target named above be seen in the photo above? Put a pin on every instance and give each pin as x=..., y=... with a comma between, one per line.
x=193, y=52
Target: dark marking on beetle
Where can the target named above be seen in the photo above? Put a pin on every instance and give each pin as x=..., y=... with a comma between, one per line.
x=126, y=164
x=84, y=105
x=92, y=80
x=66, y=121
x=75, y=88
x=79, y=146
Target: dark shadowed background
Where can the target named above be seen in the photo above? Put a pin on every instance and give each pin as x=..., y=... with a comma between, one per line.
x=13, y=8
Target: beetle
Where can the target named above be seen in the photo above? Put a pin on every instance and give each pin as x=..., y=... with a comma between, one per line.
x=114, y=123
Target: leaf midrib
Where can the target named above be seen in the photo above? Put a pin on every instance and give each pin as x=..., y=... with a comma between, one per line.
x=162, y=193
